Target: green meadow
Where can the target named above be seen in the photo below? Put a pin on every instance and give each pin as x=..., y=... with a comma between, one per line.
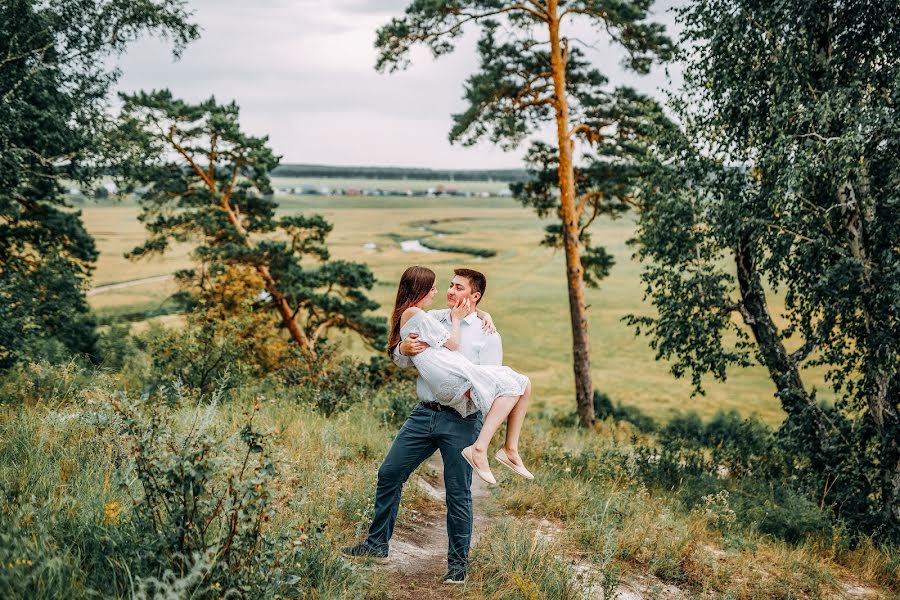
x=526, y=290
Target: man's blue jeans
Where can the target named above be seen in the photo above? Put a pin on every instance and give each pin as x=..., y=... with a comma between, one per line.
x=424, y=432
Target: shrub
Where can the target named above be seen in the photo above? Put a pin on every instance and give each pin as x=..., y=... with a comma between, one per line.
x=200, y=358
x=199, y=507
x=116, y=347
x=393, y=403
x=332, y=383
x=736, y=456
x=603, y=408
x=779, y=511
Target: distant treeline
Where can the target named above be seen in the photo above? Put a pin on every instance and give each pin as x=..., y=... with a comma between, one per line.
x=506, y=175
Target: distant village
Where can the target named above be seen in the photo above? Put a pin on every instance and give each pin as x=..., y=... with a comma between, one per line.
x=108, y=188
x=431, y=192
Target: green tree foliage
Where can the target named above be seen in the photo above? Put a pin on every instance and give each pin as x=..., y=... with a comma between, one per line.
x=54, y=81
x=785, y=177
x=533, y=72
x=206, y=181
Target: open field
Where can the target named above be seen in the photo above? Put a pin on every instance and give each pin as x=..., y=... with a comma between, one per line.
x=526, y=293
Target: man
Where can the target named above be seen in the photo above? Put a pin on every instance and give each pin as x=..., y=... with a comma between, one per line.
x=432, y=426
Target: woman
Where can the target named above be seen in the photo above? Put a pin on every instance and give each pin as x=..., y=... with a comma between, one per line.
x=499, y=392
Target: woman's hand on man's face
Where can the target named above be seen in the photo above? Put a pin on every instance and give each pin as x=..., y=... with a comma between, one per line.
x=462, y=309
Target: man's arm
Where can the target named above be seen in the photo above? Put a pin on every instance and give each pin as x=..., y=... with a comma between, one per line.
x=400, y=360
x=405, y=350
x=492, y=351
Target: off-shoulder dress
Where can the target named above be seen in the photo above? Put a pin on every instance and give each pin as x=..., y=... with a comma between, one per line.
x=450, y=375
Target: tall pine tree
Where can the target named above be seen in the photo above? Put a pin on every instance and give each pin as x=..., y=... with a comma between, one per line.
x=206, y=181
x=532, y=72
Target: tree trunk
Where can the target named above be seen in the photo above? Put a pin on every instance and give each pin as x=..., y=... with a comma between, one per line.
x=574, y=271
x=858, y=212
x=883, y=405
x=281, y=303
x=803, y=414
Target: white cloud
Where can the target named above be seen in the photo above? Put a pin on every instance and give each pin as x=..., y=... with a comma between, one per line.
x=303, y=73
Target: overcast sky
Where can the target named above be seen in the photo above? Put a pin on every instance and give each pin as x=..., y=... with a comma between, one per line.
x=302, y=72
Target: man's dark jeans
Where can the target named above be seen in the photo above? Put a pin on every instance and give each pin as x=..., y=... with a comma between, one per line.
x=424, y=432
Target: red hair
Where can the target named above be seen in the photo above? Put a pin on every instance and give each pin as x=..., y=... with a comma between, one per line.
x=415, y=284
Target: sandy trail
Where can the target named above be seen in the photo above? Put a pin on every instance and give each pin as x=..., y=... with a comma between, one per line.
x=418, y=557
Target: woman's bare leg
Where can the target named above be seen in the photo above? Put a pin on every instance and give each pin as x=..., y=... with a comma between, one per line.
x=514, y=426
x=500, y=410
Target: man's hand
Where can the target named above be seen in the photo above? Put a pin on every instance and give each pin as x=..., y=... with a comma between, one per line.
x=411, y=345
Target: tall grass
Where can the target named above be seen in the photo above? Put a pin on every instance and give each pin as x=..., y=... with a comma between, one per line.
x=78, y=517
x=74, y=507
x=702, y=538
x=512, y=563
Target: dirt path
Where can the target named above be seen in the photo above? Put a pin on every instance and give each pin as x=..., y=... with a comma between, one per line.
x=418, y=557
x=125, y=284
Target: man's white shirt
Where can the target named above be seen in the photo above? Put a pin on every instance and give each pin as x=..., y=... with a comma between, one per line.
x=475, y=343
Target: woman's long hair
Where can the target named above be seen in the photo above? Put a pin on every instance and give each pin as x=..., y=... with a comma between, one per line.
x=414, y=285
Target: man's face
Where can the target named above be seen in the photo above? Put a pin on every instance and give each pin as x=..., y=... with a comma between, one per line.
x=460, y=289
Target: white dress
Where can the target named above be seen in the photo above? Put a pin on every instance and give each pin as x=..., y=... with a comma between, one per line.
x=449, y=374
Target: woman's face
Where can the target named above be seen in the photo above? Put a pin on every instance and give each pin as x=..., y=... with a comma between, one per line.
x=429, y=298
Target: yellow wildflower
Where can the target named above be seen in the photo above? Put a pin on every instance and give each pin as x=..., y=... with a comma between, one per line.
x=111, y=512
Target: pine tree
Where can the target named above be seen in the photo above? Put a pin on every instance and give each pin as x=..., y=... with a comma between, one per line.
x=202, y=179
x=54, y=82
x=532, y=71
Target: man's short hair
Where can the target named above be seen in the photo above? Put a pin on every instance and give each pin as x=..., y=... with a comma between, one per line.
x=477, y=280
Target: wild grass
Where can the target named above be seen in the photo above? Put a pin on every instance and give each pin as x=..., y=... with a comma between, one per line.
x=592, y=520
x=512, y=563
x=612, y=517
x=68, y=508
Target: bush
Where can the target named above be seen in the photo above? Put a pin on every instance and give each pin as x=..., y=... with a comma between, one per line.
x=116, y=347
x=393, y=403
x=726, y=445
x=332, y=383
x=200, y=508
x=200, y=358
x=603, y=408
x=736, y=456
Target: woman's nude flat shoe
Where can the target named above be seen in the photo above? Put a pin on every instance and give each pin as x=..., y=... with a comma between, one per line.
x=486, y=475
x=502, y=457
